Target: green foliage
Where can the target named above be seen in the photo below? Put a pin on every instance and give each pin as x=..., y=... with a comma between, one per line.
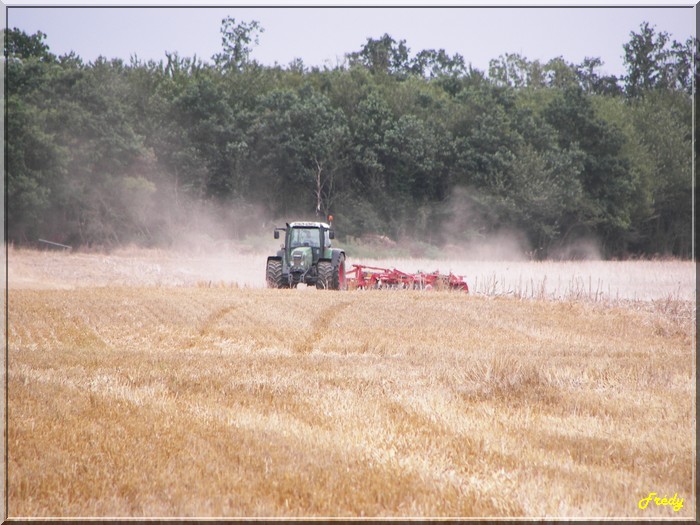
x=654, y=62
x=421, y=148
x=383, y=56
x=20, y=46
x=300, y=142
x=236, y=38
x=606, y=178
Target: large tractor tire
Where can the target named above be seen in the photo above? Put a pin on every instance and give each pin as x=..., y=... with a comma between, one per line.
x=332, y=277
x=339, y=274
x=273, y=274
x=325, y=275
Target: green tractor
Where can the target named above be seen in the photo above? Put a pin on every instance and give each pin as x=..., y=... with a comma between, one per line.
x=307, y=257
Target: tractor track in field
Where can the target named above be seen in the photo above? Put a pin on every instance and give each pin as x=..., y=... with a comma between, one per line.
x=213, y=319
x=321, y=324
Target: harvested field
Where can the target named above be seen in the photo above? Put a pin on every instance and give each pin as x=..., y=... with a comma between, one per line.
x=182, y=395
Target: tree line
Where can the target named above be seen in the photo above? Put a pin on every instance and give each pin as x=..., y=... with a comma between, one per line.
x=419, y=146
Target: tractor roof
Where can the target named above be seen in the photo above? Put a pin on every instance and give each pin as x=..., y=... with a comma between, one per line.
x=309, y=225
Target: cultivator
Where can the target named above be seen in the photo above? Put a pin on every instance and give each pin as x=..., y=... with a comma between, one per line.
x=372, y=277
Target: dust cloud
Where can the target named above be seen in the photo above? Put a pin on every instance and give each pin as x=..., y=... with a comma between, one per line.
x=586, y=248
x=473, y=231
x=213, y=244
x=160, y=237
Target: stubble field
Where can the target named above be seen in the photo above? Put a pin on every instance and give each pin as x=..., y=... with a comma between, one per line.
x=149, y=384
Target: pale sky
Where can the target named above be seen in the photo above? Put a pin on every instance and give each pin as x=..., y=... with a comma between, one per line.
x=321, y=36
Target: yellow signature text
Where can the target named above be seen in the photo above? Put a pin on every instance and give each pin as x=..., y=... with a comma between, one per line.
x=675, y=501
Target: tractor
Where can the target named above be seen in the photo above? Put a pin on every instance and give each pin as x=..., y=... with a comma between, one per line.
x=307, y=257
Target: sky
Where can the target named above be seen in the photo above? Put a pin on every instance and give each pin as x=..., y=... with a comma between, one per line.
x=321, y=36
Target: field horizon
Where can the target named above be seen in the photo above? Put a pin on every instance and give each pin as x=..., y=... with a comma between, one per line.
x=135, y=394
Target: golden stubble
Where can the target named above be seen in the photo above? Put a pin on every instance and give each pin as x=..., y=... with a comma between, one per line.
x=205, y=401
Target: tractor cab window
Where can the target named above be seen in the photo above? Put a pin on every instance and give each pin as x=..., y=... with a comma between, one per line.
x=304, y=237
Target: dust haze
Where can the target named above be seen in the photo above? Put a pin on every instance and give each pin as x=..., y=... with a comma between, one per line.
x=472, y=231
x=150, y=208
x=195, y=243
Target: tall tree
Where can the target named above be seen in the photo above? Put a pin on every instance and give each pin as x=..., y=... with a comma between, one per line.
x=35, y=163
x=606, y=178
x=654, y=61
x=592, y=82
x=514, y=70
x=430, y=63
x=236, y=41
x=669, y=156
x=383, y=55
x=19, y=45
x=300, y=141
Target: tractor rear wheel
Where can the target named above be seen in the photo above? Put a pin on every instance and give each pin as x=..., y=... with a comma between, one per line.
x=340, y=281
x=273, y=274
x=330, y=277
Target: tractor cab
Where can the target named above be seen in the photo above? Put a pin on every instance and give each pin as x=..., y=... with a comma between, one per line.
x=316, y=236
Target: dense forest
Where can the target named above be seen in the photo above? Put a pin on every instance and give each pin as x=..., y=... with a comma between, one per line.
x=407, y=145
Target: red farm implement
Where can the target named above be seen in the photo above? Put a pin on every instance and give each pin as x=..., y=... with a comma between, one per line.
x=372, y=277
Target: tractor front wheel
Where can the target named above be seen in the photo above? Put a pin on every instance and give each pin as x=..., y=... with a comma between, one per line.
x=273, y=274
x=325, y=275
